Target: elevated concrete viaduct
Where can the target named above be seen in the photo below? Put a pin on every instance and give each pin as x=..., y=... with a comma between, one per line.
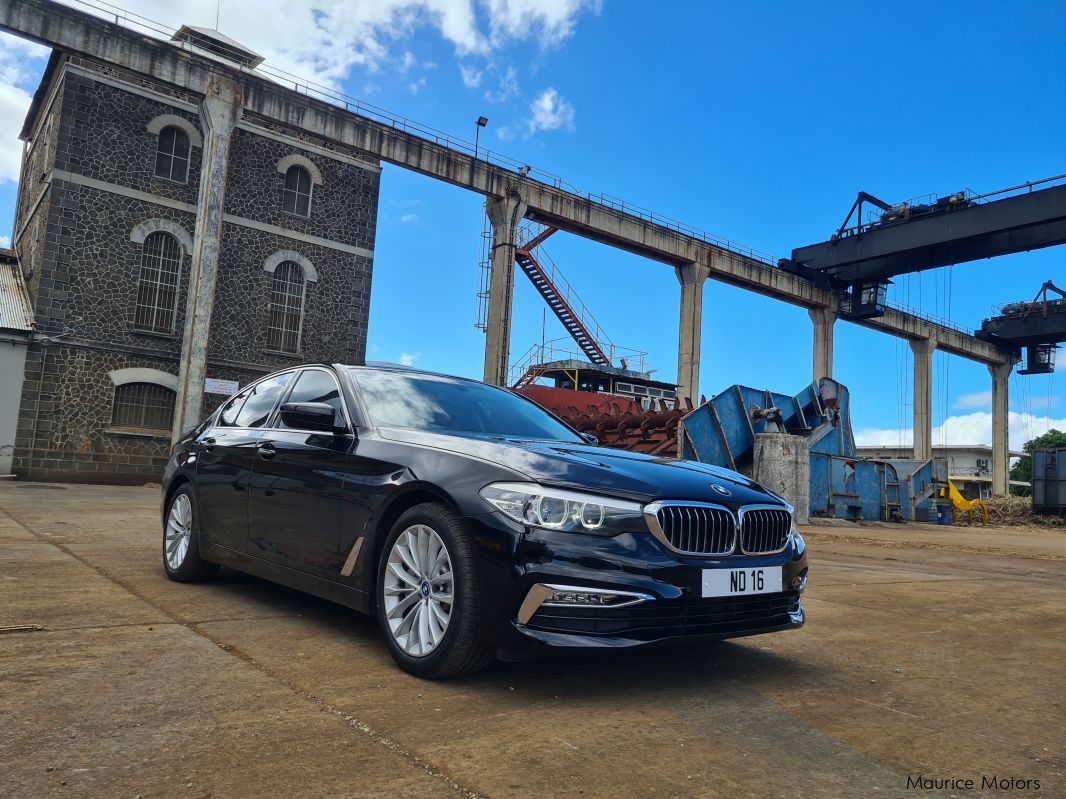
x=327, y=118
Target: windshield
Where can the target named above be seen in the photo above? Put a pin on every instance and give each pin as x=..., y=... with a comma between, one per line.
x=446, y=405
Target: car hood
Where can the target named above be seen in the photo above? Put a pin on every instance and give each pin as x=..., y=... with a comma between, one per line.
x=614, y=472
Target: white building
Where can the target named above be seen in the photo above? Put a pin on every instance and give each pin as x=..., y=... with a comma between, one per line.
x=969, y=465
x=16, y=326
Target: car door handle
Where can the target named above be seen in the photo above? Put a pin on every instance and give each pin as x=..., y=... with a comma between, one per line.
x=208, y=444
x=266, y=450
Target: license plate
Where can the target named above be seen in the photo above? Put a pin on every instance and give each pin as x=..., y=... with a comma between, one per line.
x=732, y=582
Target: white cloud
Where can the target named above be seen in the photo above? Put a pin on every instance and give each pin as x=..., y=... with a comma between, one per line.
x=978, y=399
x=416, y=86
x=551, y=20
x=505, y=133
x=471, y=77
x=20, y=64
x=507, y=88
x=407, y=218
x=324, y=40
x=14, y=103
x=5, y=242
x=14, y=53
x=551, y=111
x=970, y=428
x=409, y=358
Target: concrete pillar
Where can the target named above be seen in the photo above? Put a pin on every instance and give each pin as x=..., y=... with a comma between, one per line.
x=1000, y=423
x=505, y=214
x=824, y=319
x=219, y=112
x=923, y=350
x=692, y=276
x=782, y=463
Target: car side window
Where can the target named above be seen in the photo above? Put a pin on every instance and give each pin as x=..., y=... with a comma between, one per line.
x=227, y=417
x=315, y=385
x=261, y=400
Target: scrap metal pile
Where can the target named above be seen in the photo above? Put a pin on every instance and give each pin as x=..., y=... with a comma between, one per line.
x=616, y=421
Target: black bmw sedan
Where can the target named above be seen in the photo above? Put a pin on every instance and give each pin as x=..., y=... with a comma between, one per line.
x=472, y=521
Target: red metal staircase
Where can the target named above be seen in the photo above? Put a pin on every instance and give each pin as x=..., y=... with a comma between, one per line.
x=562, y=300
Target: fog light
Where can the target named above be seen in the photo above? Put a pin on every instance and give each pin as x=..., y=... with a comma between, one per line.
x=585, y=598
x=576, y=596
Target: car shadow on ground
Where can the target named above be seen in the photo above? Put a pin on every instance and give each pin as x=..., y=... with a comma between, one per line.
x=603, y=673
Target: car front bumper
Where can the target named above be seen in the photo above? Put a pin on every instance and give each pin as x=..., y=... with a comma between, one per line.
x=657, y=593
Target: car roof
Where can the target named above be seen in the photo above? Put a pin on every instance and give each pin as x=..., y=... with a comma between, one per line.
x=385, y=366
x=375, y=366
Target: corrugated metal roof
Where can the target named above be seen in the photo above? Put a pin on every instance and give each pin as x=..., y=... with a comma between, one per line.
x=15, y=310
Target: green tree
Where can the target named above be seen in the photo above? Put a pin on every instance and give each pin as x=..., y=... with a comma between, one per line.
x=1023, y=469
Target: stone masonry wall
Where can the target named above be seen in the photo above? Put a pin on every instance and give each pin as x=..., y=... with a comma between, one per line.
x=32, y=211
x=335, y=315
x=86, y=268
x=108, y=139
x=344, y=207
x=66, y=435
x=90, y=289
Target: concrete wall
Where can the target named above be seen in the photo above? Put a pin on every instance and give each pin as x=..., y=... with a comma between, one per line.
x=782, y=464
x=12, y=365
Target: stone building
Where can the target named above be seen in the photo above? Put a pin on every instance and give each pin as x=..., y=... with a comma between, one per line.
x=148, y=216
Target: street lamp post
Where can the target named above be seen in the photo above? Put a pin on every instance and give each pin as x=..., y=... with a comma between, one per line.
x=478, y=125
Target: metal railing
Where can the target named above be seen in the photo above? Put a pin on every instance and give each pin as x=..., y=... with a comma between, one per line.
x=873, y=217
x=910, y=310
x=564, y=349
x=567, y=293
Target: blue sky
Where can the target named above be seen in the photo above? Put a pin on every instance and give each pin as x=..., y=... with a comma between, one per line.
x=757, y=122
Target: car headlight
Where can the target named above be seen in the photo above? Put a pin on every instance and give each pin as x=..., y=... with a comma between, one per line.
x=567, y=511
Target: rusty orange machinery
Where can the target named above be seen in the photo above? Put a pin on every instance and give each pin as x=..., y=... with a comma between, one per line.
x=616, y=421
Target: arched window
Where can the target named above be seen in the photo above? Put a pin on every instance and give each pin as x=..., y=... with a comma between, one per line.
x=172, y=155
x=143, y=406
x=157, y=285
x=286, y=315
x=296, y=196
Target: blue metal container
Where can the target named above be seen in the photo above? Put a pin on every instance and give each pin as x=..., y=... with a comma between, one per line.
x=722, y=431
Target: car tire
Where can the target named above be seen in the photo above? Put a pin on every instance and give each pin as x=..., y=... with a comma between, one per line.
x=411, y=616
x=181, y=545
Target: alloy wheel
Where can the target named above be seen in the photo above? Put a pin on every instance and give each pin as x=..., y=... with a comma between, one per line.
x=419, y=590
x=179, y=531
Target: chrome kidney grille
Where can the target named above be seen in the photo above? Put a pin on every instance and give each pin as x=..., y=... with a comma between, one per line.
x=692, y=528
x=764, y=530
x=700, y=528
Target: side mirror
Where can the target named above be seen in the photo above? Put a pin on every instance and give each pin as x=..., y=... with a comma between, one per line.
x=591, y=439
x=311, y=416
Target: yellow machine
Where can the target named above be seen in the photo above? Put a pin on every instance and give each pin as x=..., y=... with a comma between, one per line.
x=959, y=503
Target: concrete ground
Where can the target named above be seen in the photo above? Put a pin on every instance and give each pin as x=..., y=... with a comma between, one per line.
x=933, y=652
